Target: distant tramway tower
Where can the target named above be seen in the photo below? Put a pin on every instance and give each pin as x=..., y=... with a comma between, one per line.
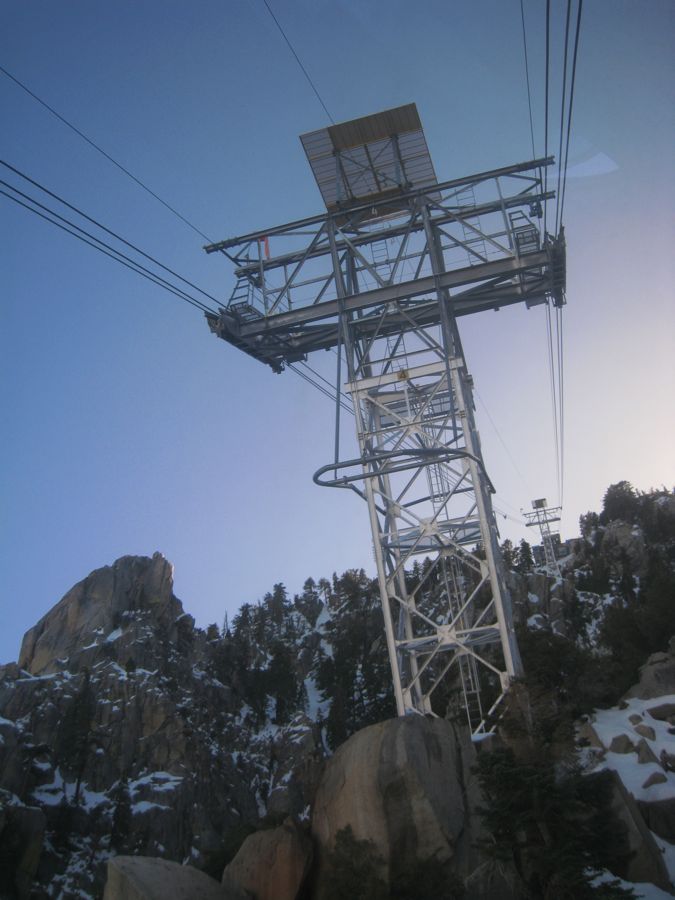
x=382, y=278
x=543, y=517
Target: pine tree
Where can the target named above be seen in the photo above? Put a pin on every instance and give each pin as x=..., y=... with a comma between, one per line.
x=626, y=582
x=587, y=522
x=428, y=879
x=635, y=626
x=73, y=736
x=525, y=561
x=278, y=604
x=353, y=870
x=282, y=684
x=620, y=502
x=356, y=678
x=309, y=603
x=122, y=817
x=508, y=554
x=557, y=829
x=544, y=817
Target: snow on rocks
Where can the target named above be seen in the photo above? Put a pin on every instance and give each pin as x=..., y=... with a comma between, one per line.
x=643, y=891
x=116, y=633
x=640, y=747
x=657, y=677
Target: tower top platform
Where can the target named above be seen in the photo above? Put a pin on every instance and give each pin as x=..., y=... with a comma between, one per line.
x=370, y=159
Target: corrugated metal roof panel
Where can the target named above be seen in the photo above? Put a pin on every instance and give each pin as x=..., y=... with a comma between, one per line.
x=375, y=127
x=370, y=157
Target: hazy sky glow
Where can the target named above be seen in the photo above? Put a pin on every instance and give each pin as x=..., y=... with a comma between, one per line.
x=129, y=428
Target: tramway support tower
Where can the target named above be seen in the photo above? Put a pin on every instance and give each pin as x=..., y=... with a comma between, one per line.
x=543, y=517
x=382, y=278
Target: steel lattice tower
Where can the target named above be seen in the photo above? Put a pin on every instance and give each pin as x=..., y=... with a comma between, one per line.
x=382, y=278
x=542, y=517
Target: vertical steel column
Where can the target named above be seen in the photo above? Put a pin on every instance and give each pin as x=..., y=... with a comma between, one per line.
x=464, y=397
x=366, y=450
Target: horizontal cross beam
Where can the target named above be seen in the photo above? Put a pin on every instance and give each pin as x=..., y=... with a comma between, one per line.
x=317, y=220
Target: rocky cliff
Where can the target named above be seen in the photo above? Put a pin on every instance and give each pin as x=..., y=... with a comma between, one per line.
x=116, y=736
x=119, y=737
x=93, y=612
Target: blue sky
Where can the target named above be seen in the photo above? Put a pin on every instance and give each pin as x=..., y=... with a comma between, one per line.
x=129, y=428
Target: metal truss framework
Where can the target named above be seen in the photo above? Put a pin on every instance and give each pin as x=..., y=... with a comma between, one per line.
x=542, y=517
x=384, y=285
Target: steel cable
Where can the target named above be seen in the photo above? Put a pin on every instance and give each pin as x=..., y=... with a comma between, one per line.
x=113, y=254
x=569, y=114
x=104, y=153
x=117, y=237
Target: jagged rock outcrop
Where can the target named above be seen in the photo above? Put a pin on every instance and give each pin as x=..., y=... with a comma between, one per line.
x=117, y=727
x=630, y=741
x=646, y=861
x=657, y=676
x=96, y=608
x=660, y=817
x=21, y=833
x=271, y=864
x=540, y=601
x=297, y=759
x=622, y=541
x=406, y=786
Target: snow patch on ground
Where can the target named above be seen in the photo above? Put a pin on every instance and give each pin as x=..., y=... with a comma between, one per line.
x=316, y=705
x=29, y=677
x=323, y=619
x=144, y=806
x=116, y=668
x=53, y=793
x=610, y=723
x=158, y=781
x=643, y=890
x=91, y=799
x=268, y=731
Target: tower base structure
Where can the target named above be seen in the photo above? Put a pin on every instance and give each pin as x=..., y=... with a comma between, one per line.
x=446, y=608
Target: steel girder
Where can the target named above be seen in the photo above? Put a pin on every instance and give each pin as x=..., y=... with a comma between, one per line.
x=286, y=305
x=423, y=478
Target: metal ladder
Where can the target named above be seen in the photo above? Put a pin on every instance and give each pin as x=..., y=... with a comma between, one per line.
x=467, y=197
x=455, y=592
x=381, y=260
